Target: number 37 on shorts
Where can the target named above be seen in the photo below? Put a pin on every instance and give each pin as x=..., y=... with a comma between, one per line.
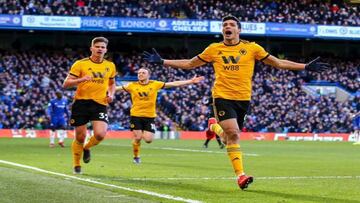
x=103, y=117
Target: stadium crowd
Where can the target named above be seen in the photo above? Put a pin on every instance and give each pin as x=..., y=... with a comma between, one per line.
x=304, y=11
x=28, y=80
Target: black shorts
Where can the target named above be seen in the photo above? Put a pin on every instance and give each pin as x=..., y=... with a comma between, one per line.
x=225, y=109
x=142, y=123
x=83, y=111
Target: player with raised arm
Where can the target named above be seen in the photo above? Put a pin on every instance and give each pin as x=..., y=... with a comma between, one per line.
x=143, y=111
x=94, y=78
x=233, y=60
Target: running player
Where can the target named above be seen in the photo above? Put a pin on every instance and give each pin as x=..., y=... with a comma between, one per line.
x=233, y=60
x=209, y=133
x=143, y=111
x=94, y=78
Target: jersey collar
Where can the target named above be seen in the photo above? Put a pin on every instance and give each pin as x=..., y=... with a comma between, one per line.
x=230, y=45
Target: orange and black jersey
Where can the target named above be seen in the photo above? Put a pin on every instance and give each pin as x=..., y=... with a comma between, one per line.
x=97, y=88
x=234, y=68
x=143, y=97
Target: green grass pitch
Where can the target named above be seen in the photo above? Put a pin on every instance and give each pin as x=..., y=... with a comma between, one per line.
x=284, y=172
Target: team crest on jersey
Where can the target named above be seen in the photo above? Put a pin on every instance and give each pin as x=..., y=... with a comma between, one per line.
x=243, y=51
x=219, y=53
x=107, y=69
x=72, y=121
x=132, y=126
x=221, y=113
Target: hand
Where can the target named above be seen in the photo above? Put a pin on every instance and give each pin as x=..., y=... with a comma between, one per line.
x=316, y=66
x=197, y=79
x=154, y=58
x=86, y=78
x=109, y=98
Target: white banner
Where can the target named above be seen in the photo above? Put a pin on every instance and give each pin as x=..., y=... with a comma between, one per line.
x=51, y=21
x=246, y=28
x=338, y=31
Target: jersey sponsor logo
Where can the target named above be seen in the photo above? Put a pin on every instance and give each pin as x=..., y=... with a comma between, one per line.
x=98, y=74
x=231, y=59
x=143, y=94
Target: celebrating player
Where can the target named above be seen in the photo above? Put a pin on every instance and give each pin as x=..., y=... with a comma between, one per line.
x=233, y=60
x=94, y=78
x=143, y=96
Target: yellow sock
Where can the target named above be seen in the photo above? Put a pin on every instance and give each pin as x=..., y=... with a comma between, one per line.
x=92, y=142
x=77, y=150
x=136, y=148
x=235, y=156
x=217, y=129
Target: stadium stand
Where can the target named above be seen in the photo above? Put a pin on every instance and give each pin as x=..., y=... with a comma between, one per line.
x=301, y=12
x=278, y=105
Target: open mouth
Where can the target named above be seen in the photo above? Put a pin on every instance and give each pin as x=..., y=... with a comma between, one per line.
x=228, y=33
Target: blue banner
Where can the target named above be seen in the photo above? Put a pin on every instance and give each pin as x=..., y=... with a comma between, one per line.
x=338, y=32
x=290, y=30
x=149, y=25
x=10, y=20
x=164, y=25
x=99, y=24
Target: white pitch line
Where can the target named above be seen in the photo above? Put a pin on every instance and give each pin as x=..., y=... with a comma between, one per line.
x=196, y=150
x=256, y=178
x=182, y=149
x=165, y=196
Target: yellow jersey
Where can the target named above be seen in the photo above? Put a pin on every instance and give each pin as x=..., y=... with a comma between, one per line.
x=234, y=68
x=143, y=98
x=95, y=89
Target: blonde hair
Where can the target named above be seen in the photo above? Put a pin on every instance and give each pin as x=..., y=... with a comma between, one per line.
x=99, y=39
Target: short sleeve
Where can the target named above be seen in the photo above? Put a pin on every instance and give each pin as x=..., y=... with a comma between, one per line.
x=113, y=73
x=159, y=84
x=206, y=55
x=128, y=87
x=75, y=69
x=260, y=53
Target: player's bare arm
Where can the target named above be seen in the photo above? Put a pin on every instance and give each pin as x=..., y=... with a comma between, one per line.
x=193, y=80
x=120, y=88
x=313, y=65
x=184, y=63
x=72, y=81
x=111, y=90
x=155, y=58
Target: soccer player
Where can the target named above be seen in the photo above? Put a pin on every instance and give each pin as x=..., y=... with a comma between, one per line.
x=142, y=114
x=57, y=108
x=210, y=134
x=233, y=60
x=94, y=78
